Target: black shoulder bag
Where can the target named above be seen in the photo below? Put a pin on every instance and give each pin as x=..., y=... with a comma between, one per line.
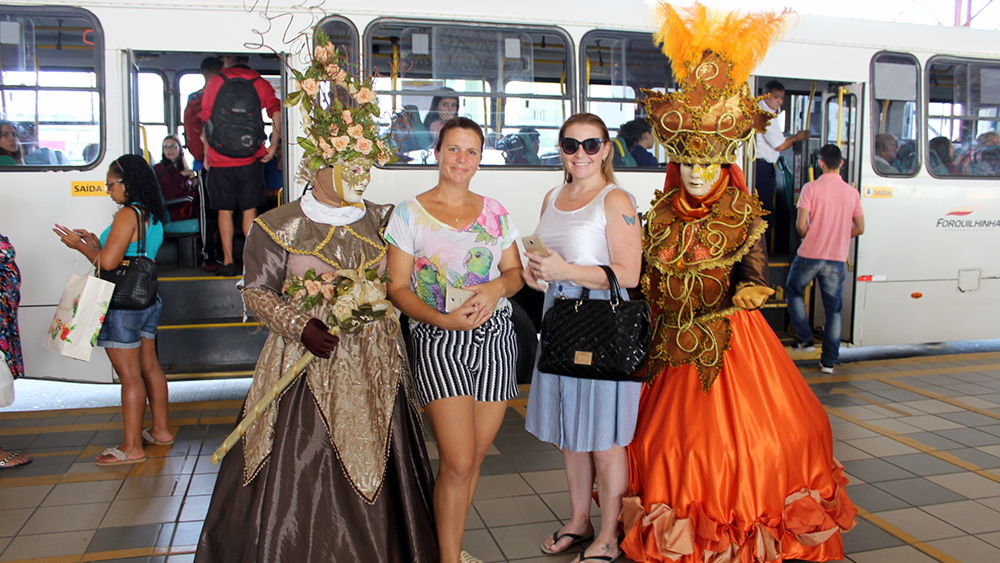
x=596, y=338
x=135, y=277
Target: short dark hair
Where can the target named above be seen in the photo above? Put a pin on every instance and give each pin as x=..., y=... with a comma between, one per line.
x=773, y=85
x=632, y=131
x=211, y=64
x=941, y=146
x=831, y=156
x=460, y=123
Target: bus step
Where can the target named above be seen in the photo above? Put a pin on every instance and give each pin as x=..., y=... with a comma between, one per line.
x=199, y=298
x=209, y=346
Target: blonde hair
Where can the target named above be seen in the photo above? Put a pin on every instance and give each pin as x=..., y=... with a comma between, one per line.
x=607, y=167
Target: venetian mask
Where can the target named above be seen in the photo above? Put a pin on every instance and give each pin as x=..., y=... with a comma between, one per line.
x=344, y=182
x=699, y=179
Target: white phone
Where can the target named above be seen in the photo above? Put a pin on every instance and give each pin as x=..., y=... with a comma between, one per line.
x=534, y=245
x=455, y=297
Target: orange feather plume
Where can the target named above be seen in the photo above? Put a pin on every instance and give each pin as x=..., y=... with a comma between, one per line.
x=741, y=39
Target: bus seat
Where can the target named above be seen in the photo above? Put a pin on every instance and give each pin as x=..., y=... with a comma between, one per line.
x=622, y=158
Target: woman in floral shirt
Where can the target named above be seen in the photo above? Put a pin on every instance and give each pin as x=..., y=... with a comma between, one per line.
x=10, y=342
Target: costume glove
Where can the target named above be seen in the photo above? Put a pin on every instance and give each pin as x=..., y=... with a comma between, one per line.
x=317, y=340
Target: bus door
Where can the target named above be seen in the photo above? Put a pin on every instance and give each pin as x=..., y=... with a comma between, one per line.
x=843, y=122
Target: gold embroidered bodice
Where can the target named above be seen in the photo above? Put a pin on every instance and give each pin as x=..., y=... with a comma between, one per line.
x=693, y=269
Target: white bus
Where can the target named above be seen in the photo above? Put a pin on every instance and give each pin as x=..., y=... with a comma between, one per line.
x=84, y=82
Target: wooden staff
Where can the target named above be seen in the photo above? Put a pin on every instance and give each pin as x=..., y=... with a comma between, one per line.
x=276, y=390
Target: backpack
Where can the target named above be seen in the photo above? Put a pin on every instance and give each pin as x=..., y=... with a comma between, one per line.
x=236, y=128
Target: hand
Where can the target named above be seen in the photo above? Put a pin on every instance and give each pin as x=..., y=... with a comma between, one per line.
x=802, y=136
x=317, y=339
x=532, y=281
x=550, y=268
x=270, y=153
x=466, y=317
x=484, y=302
x=89, y=238
x=72, y=238
x=752, y=296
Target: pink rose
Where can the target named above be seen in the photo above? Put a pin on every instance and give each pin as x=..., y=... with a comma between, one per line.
x=328, y=154
x=328, y=291
x=341, y=143
x=334, y=130
x=355, y=130
x=365, y=96
x=312, y=287
x=320, y=54
x=328, y=277
x=348, y=118
x=363, y=145
x=309, y=86
x=340, y=77
x=323, y=145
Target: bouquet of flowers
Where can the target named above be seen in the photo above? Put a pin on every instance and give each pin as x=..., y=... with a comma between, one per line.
x=339, y=111
x=345, y=299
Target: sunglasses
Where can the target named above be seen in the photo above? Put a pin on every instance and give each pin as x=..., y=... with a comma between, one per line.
x=570, y=145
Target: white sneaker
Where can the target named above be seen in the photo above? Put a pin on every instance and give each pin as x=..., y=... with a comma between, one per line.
x=826, y=369
x=803, y=347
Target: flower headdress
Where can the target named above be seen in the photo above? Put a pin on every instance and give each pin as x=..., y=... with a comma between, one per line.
x=339, y=110
x=711, y=53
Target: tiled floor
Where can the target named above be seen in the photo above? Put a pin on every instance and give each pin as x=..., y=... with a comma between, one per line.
x=919, y=437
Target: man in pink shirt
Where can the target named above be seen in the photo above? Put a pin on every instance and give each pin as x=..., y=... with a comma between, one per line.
x=829, y=217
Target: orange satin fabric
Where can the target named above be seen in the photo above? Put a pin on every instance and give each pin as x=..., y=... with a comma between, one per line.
x=714, y=471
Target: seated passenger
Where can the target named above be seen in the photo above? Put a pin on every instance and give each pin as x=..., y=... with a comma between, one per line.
x=986, y=161
x=175, y=179
x=90, y=153
x=638, y=137
x=942, y=157
x=532, y=135
x=10, y=147
x=885, y=154
x=443, y=108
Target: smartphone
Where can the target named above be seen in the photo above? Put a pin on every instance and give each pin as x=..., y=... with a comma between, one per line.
x=533, y=245
x=455, y=297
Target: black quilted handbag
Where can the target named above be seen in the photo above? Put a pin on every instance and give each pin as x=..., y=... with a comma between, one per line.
x=134, y=278
x=596, y=338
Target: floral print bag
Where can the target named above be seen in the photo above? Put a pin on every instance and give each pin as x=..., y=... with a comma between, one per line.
x=79, y=316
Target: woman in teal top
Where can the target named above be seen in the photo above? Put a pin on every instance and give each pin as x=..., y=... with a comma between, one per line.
x=129, y=335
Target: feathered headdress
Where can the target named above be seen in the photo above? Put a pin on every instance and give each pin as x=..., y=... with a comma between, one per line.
x=712, y=53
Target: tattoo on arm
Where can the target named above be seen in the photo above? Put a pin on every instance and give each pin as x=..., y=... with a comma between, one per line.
x=629, y=220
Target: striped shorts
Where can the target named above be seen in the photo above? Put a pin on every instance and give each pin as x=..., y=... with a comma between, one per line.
x=479, y=362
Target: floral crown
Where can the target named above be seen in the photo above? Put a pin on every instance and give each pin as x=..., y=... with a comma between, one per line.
x=712, y=53
x=339, y=111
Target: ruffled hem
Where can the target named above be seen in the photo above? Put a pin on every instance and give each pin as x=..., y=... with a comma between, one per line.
x=806, y=519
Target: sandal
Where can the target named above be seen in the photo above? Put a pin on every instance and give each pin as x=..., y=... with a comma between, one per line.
x=5, y=463
x=148, y=438
x=120, y=456
x=605, y=558
x=577, y=540
x=467, y=557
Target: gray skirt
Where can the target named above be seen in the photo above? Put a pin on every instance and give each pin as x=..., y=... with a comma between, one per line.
x=581, y=415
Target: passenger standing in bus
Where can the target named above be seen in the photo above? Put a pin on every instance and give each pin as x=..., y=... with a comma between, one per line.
x=237, y=182
x=770, y=144
x=130, y=335
x=587, y=222
x=210, y=66
x=449, y=241
x=830, y=216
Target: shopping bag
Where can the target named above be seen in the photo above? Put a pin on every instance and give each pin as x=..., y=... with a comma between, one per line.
x=79, y=316
x=6, y=384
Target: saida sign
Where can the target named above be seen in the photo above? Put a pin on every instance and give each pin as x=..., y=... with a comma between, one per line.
x=91, y=188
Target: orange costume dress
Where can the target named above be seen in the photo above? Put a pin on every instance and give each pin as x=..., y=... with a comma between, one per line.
x=732, y=459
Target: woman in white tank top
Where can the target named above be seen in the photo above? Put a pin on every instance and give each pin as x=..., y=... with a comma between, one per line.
x=585, y=223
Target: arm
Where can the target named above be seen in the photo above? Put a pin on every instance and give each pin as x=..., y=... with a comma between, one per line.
x=802, y=222
x=123, y=232
x=624, y=243
x=800, y=136
x=528, y=273
x=751, y=277
x=276, y=120
x=857, y=226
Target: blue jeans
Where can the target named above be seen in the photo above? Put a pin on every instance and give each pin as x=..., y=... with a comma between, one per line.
x=830, y=274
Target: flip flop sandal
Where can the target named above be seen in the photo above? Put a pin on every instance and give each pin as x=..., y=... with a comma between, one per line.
x=577, y=540
x=120, y=457
x=5, y=461
x=604, y=558
x=147, y=438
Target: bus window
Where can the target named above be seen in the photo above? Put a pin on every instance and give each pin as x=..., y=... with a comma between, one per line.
x=343, y=34
x=515, y=83
x=50, y=85
x=963, y=99
x=152, y=113
x=615, y=66
x=895, y=114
